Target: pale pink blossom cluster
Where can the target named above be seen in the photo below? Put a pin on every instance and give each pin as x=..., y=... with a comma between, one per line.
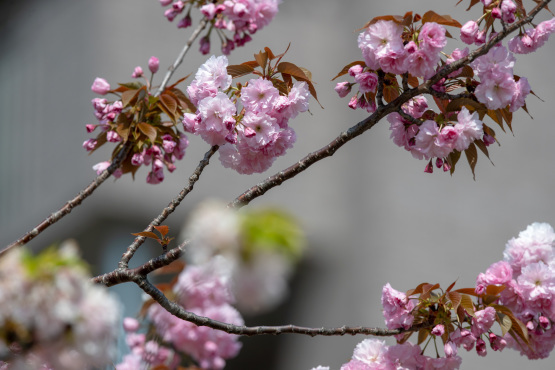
x=250, y=139
x=498, y=88
x=532, y=39
x=145, y=354
x=428, y=140
x=528, y=273
x=163, y=153
x=50, y=313
x=242, y=18
x=203, y=290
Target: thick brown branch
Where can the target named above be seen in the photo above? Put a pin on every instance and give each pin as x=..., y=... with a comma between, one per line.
x=126, y=257
x=66, y=209
x=180, y=312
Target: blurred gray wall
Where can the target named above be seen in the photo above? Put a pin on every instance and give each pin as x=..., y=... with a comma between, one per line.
x=373, y=216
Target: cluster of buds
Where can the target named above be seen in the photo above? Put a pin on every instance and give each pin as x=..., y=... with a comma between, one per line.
x=411, y=47
x=136, y=117
x=249, y=122
x=242, y=18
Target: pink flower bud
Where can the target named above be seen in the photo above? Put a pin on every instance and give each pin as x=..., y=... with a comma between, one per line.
x=343, y=89
x=446, y=166
x=185, y=22
x=204, y=45
x=231, y=137
x=130, y=324
x=488, y=139
x=208, y=10
x=544, y=322
x=353, y=102
x=137, y=159
x=90, y=128
x=439, y=162
x=100, y=86
x=178, y=6
x=496, y=13
x=113, y=137
x=168, y=143
x=429, y=167
x=165, y=2
x=438, y=330
x=481, y=347
x=170, y=14
x=138, y=72
x=450, y=349
x=469, y=32
x=90, y=144
x=153, y=64
x=480, y=38
x=355, y=70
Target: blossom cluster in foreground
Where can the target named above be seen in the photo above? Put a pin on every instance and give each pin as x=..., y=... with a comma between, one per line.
x=403, y=47
x=51, y=315
x=241, y=18
x=203, y=290
x=518, y=293
x=251, y=127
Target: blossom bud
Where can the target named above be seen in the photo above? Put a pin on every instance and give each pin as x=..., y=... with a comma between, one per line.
x=355, y=70
x=100, y=86
x=353, y=102
x=113, y=137
x=446, y=166
x=438, y=330
x=208, y=10
x=231, y=137
x=130, y=324
x=168, y=143
x=137, y=159
x=429, y=167
x=488, y=139
x=480, y=38
x=249, y=132
x=343, y=89
x=90, y=144
x=497, y=343
x=185, y=22
x=204, y=45
x=481, y=347
x=469, y=31
x=138, y=72
x=90, y=128
x=450, y=349
x=178, y=6
x=228, y=46
x=480, y=289
x=153, y=64
x=544, y=322
x=439, y=162
x=496, y=13
x=165, y=2
x=170, y=14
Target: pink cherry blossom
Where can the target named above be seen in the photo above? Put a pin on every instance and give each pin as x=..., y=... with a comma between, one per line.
x=264, y=127
x=343, y=89
x=469, y=128
x=397, y=308
x=368, y=82
x=469, y=32
x=258, y=95
x=483, y=320
x=100, y=86
x=432, y=37
x=216, y=114
x=496, y=91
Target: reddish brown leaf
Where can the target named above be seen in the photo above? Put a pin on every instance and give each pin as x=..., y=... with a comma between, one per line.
x=184, y=101
x=422, y=335
x=413, y=81
x=239, y=70
x=169, y=102
x=128, y=97
x=496, y=117
x=269, y=53
x=467, y=304
x=148, y=130
x=451, y=286
x=472, y=157
x=495, y=289
x=452, y=159
x=345, y=69
x=147, y=234
x=262, y=59
x=457, y=104
x=455, y=299
x=171, y=87
x=162, y=229
x=401, y=20
x=468, y=291
x=252, y=63
x=445, y=20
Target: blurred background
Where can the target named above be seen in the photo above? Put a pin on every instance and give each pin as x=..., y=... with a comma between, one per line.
x=371, y=214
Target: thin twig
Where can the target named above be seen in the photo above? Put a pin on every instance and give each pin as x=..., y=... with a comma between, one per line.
x=70, y=204
x=126, y=257
x=180, y=312
x=181, y=55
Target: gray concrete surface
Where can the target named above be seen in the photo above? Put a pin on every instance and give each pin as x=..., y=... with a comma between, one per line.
x=373, y=216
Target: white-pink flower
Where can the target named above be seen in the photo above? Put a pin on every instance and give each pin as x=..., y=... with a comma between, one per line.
x=469, y=128
x=537, y=281
x=217, y=120
x=397, y=308
x=259, y=95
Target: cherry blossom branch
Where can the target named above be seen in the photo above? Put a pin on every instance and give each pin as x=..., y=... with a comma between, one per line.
x=180, y=312
x=70, y=204
x=125, y=275
x=126, y=257
x=77, y=200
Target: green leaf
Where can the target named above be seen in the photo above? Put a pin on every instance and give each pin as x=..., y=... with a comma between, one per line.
x=148, y=130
